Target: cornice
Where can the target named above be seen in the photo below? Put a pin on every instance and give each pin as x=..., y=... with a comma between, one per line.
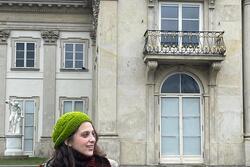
x=47, y=3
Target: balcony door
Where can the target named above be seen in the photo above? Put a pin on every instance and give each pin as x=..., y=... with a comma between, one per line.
x=178, y=21
x=181, y=120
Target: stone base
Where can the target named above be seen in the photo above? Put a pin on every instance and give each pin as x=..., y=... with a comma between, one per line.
x=247, y=150
x=44, y=148
x=2, y=146
x=13, y=145
x=111, y=146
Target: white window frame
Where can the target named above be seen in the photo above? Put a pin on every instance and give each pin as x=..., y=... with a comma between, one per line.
x=180, y=5
x=187, y=158
x=74, y=99
x=85, y=44
x=36, y=53
x=35, y=100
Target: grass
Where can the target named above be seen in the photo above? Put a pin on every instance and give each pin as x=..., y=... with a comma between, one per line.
x=22, y=161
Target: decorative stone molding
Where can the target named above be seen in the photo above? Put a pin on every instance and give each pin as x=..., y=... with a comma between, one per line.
x=50, y=37
x=4, y=35
x=211, y=4
x=151, y=3
x=213, y=71
x=95, y=7
x=151, y=67
x=246, y=2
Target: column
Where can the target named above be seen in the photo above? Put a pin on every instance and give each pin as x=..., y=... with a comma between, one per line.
x=106, y=109
x=246, y=72
x=4, y=34
x=49, y=81
x=150, y=75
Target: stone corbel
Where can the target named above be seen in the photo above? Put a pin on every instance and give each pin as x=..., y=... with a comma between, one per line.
x=4, y=35
x=213, y=71
x=151, y=67
x=151, y=3
x=211, y=4
x=50, y=37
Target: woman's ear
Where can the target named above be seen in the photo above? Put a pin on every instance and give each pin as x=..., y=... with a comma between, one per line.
x=67, y=143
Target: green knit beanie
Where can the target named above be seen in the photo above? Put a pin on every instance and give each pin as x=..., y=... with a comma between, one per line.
x=66, y=125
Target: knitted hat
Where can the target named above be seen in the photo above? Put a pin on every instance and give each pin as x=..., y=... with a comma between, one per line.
x=66, y=125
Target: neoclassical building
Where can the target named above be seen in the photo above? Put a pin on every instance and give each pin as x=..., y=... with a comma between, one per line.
x=166, y=82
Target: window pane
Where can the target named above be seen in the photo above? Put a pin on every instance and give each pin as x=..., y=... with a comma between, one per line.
x=79, y=56
x=69, y=55
x=170, y=106
x=78, y=106
x=190, y=12
x=28, y=145
x=29, y=106
x=30, y=63
x=170, y=126
x=170, y=146
x=31, y=46
x=19, y=46
x=69, y=64
x=169, y=25
x=190, y=25
x=67, y=106
x=191, y=126
x=28, y=132
x=169, y=11
x=29, y=120
x=188, y=84
x=79, y=47
x=30, y=54
x=19, y=63
x=191, y=106
x=192, y=145
x=20, y=54
x=68, y=47
x=78, y=64
x=171, y=85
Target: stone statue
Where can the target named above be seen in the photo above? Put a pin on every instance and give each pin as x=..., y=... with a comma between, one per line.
x=15, y=116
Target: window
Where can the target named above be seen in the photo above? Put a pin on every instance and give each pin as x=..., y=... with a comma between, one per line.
x=27, y=124
x=181, y=120
x=180, y=17
x=25, y=54
x=75, y=55
x=74, y=104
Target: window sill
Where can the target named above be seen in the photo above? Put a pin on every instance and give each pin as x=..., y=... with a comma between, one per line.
x=24, y=69
x=73, y=70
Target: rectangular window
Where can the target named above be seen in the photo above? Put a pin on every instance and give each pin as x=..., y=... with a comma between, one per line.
x=74, y=104
x=74, y=56
x=179, y=23
x=25, y=54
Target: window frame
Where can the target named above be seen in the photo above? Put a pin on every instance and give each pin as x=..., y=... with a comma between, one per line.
x=180, y=18
x=36, y=42
x=85, y=43
x=85, y=101
x=182, y=158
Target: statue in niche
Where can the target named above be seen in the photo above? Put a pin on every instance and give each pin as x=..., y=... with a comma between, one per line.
x=15, y=116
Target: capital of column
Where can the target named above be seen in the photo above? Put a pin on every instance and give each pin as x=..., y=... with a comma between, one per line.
x=246, y=2
x=151, y=3
x=4, y=35
x=151, y=67
x=211, y=4
x=50, y=36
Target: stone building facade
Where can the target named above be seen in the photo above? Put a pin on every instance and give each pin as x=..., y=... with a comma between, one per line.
x=165, y=81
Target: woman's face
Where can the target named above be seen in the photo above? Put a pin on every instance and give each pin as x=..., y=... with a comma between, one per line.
x=84, y=139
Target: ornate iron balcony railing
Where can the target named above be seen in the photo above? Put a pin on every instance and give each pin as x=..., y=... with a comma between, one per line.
x=184, y=42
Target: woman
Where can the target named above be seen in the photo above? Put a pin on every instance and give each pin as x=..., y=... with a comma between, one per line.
x=75, y=143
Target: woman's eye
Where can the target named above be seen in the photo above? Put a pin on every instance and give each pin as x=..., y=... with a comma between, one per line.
x=85, y=134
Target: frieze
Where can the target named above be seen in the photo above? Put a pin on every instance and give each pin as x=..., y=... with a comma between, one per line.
x=4, y=35
x=50, y=37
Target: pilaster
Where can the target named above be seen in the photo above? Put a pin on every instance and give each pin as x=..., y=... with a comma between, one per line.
x=246, y=61
x=49, y=81
x=150, y=75
x=4, y=34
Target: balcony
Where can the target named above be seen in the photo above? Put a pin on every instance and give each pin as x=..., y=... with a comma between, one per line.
x=182, y=47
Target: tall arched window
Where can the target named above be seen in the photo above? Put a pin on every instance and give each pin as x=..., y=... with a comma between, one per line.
x=181, y=120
